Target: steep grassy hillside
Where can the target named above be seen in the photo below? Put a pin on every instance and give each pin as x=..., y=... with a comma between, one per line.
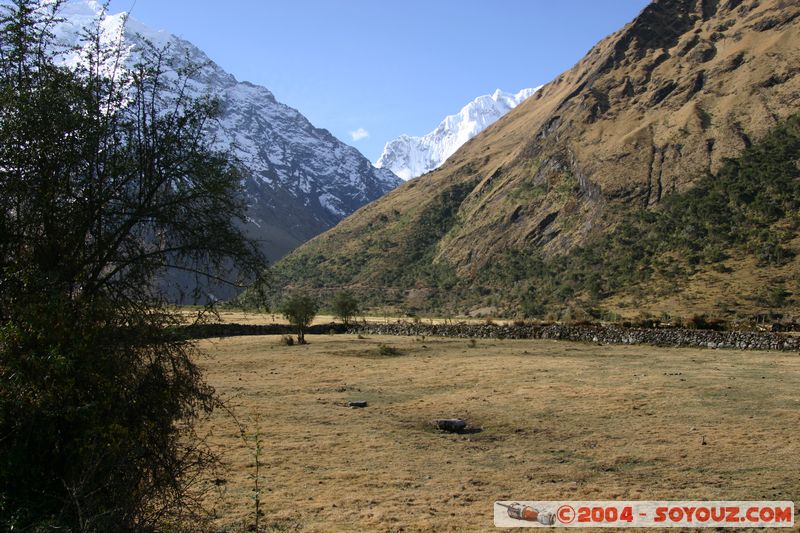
x=645, y=116
x=737, y=228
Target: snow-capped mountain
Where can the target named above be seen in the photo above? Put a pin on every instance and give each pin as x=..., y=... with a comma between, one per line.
x=409, y=157
x=300, y=180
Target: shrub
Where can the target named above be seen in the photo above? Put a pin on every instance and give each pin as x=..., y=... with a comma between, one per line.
x=386, y=350
x=703, y=322
x=772, y=297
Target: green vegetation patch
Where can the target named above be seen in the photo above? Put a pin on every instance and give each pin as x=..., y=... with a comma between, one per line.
x=750, y=206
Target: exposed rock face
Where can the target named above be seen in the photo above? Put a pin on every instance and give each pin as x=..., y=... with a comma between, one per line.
x=649, y=108
x=665, y=99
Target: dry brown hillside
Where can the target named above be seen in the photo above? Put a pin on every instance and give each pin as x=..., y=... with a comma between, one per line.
x=649, y=108
x=645, y=113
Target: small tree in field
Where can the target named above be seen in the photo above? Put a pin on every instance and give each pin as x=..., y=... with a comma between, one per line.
x=345, y=306
x=300, y=311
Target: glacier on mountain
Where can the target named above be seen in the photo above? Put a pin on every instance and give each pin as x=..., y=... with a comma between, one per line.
x=300, y=180
x=409, y=157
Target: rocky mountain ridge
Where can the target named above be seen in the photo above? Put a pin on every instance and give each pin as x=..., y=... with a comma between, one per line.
x=299, y=179
x=409, y=156
x=645, y=114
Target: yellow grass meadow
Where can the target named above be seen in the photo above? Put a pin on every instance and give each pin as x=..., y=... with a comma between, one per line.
x=558, y=420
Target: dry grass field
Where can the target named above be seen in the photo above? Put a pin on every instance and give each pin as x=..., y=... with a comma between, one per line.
x=559, y=421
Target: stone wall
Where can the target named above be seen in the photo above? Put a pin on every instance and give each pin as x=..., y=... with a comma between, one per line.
x=698, y=338
x=207, y=331
x=745, y=340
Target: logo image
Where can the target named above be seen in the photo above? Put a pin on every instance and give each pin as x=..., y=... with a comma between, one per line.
x=625, y=514
x=518, y=511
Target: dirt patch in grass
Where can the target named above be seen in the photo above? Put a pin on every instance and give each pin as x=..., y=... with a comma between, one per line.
x=559, y=421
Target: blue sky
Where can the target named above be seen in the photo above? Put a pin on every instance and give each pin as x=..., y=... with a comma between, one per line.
x=387, y=67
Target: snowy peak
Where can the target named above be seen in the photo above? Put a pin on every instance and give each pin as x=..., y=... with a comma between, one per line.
x=409, y=157
x=300, y=179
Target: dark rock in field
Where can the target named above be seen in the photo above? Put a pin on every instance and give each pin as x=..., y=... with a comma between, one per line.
x=451, y=425
x=357, y=404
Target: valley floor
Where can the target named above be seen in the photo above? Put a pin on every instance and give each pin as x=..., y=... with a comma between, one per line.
x=559, y=420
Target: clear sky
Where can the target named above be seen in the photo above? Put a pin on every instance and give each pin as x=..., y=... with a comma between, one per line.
x=387, y=67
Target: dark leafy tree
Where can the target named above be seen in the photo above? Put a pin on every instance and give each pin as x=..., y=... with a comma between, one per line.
x=107, y=178
x=345, y=306
x=299, y=310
